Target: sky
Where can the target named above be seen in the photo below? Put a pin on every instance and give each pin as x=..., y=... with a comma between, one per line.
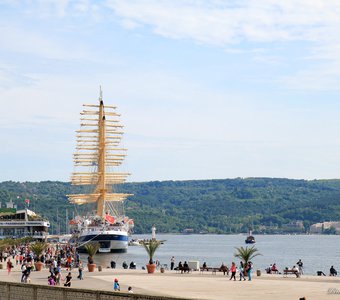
x=207, y=89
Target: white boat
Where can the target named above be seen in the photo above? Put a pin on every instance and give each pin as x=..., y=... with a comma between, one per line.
x=98, y=154
x=135, y=242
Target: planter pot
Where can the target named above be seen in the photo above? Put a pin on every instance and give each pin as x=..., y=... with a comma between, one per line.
x=151, y=268
x=91, y=267
x=38, y=265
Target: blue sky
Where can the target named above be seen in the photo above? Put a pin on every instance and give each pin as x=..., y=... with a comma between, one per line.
x=206, y=89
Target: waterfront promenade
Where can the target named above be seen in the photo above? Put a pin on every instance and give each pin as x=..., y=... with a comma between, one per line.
x=196, y=285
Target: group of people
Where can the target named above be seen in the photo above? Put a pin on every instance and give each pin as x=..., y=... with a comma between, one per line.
x=54, y=257
x=296, y=269
x=243, y=269
x=132, y=265
x=272, y=269
x=184, y=268
x=332, y=272
x=54, y=279
x=116, y=286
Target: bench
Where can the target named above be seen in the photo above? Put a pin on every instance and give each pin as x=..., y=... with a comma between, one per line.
x=183, y=270
x=286, y=272
x=214, y=270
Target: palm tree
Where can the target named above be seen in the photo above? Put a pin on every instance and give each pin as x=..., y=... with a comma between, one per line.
x=25, y=240
x=247, y=254
x=151, y=246
x=92, y=249
x=21, y=241
x=6, y=243
x=38, y=248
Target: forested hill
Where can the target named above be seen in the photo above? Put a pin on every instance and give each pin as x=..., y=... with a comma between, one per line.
x=268, y=205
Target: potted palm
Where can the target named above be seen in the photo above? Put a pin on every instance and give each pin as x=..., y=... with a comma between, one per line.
x=92, y=249
x=151, y=246
x=38, y=248
x=246, y=255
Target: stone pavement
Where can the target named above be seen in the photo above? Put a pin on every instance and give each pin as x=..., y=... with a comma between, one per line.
x=198, y=286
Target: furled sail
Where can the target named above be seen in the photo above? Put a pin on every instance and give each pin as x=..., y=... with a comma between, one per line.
x=98, y=152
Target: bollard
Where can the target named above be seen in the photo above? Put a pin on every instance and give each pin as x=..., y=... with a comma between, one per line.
x=258, y=272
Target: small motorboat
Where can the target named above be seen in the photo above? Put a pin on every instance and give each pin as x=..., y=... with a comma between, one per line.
x=250, y=240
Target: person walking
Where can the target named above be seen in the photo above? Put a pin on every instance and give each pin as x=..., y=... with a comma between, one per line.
x=233, y=271
x=116, y=286
x=242, y=271
x=172, y=263
x=9, y=266
x=23, y=272
x=80, y=270
x=249, y=270
x=57, y=278
x=300, y=265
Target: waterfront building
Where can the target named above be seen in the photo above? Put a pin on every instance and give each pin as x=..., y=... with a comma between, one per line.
x=16, y=223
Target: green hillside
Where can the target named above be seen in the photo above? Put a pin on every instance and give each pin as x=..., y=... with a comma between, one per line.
x=268, y=205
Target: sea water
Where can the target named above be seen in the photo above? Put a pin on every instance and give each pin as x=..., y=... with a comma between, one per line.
x=317, y=252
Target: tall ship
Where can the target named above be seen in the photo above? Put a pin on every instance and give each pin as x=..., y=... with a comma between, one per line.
x=97, y=162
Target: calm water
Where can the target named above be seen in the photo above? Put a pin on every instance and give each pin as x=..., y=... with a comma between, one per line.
x=316, y=251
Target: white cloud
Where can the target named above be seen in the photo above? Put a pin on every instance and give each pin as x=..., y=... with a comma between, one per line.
x=207, y=21
x=234, y=23
x=220, y=114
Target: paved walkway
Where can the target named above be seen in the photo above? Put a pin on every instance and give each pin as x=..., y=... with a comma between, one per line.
x=198, y=286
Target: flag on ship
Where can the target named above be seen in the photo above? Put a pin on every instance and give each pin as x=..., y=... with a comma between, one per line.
x=110, y=219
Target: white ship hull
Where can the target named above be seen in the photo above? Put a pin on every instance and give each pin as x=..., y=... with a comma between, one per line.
x=109, y=240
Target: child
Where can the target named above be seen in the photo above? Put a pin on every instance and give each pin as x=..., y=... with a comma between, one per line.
x=116, y=286
x=50, y=280
x=130, y=290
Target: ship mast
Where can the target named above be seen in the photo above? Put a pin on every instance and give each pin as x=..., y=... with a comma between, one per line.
x=97, y=147
x=101, y=158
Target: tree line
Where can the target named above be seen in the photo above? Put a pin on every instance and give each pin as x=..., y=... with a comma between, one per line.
x=264, y=205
